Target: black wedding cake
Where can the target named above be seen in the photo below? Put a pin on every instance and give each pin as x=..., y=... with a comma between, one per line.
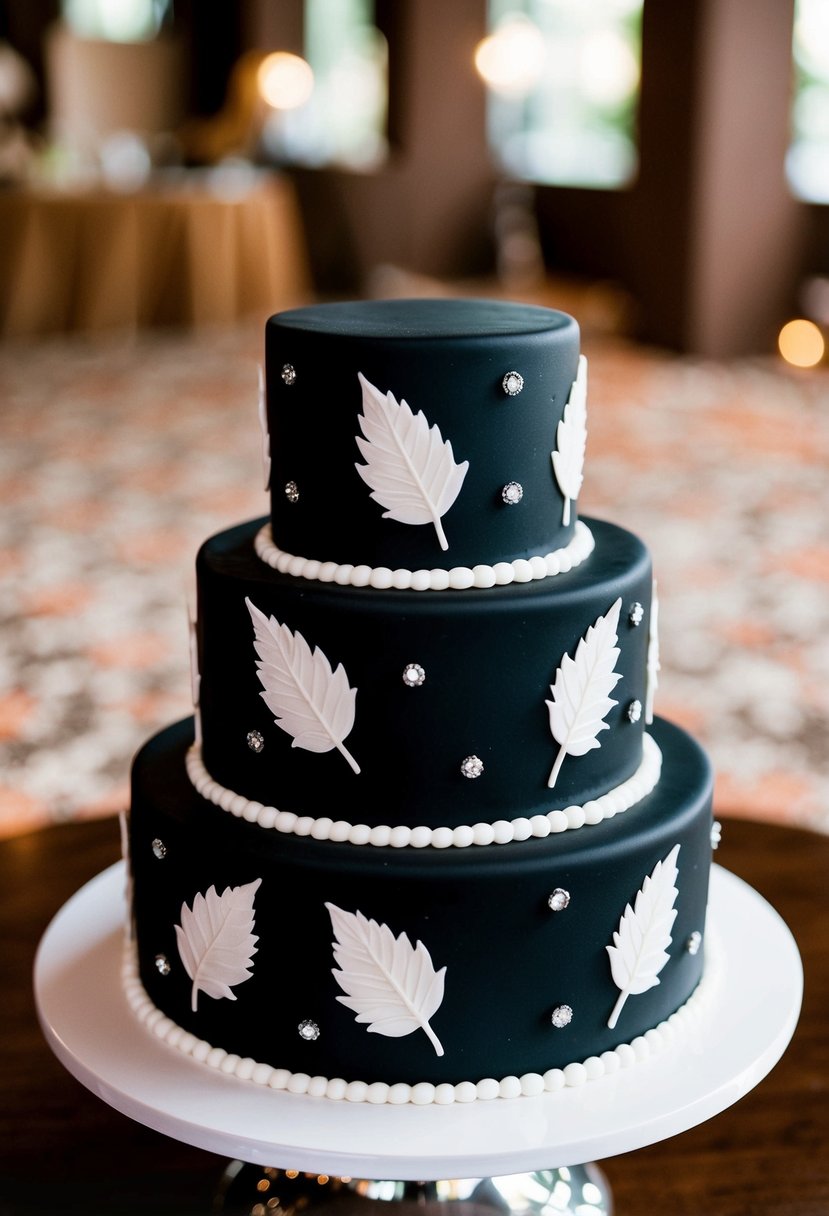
x=423, y=839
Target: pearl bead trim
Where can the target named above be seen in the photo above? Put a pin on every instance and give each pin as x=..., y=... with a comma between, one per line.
x=503, y=831
x=671, y=1033
x=381, y=578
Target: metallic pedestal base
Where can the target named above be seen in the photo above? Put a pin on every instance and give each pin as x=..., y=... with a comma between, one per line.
x=251, y=1190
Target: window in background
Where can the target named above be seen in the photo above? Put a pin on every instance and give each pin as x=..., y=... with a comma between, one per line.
x=563, y=82
x=807, y=163
x=343, y=121
x=115, y=20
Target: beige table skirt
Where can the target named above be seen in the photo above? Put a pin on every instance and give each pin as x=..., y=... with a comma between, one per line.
x=179, y=256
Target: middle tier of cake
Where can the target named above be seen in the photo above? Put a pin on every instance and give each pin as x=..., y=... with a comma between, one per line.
x=425, y=709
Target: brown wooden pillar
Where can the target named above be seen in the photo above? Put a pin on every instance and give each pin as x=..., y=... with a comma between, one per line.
x=718, y=234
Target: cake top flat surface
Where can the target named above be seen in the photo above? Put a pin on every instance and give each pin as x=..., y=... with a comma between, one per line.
x=424, y=318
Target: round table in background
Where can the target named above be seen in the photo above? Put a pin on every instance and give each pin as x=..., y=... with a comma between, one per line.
x=184, y=251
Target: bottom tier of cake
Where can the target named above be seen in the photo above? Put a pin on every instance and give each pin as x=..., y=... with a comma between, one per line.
x=375, y=967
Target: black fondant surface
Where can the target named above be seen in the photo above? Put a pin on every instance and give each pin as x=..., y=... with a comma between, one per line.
x=490, y=657
x=446, y=359
x=481, y=912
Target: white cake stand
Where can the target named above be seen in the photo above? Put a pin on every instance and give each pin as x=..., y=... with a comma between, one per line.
x=94, y=1034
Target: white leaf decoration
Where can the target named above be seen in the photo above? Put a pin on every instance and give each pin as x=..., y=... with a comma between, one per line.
x=216, y=942
x=410, y=469
x=571, y=440
x=581, y=691
x=389, y=984
x=311, y=702
x=263, y=427
x=639, y=947
x=195, y=676
x=653, y=657
x=124, y=826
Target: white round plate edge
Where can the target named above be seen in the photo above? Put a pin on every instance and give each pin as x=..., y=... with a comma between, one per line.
x=743, y=1036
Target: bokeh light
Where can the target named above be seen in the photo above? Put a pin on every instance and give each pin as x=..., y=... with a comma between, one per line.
x=511, y=59
x=285, y=81
x=801, y=343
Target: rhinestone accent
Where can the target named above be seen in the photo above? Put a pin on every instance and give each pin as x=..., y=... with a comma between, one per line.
x=512, y=493
x=162, y=964
x=308, y=1030
x=159, y=848
x=256, y=740
x=694, y=942
x=413, y=675
x=562, y=1016
x=716, y=834
x=512, y=383
x=292, y=491
x=636, y=614
x=472, y=766
x=634, y=711
x=289, y=374
x=559, y=899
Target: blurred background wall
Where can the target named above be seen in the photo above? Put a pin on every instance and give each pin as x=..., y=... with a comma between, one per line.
x=411, y=154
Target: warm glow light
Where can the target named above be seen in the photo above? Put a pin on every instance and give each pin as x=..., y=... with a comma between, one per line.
x=609, y=71
x=285, y=81
x=801, y=343
x=511, y=60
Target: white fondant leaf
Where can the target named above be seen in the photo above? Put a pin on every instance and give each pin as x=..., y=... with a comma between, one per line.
x=216, y=941
x=571, y=440
x=390, y=984
x=653, y=656
x=124, y=827
x=195, y=677
x=263, y=427
x=581, y=691
x=312, y=703
x=639, y=947
x=410, y=469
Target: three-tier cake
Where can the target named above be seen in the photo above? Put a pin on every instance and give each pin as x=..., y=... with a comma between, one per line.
x=423, y=838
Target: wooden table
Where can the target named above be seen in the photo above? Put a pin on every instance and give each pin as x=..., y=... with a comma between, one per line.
x=64, y=1150
x=181, y=252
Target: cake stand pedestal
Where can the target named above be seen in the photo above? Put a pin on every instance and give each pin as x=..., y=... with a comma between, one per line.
x=508, y=1153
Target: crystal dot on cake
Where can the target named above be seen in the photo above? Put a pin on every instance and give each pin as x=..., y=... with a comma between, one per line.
x=162, y=964
x=413, y=675
x=636, y=614
x=288, y=374
x=512, y=383
x=159, y=848
x=559, y=899
x=308, y=1030
x=562, y=1016
x=292, y=491
x=512, y=493
x=255, y=740
x=472, y=767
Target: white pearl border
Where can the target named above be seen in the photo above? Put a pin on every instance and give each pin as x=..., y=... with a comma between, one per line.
x=503, y=831
x=669, y=1033
x=382, y=578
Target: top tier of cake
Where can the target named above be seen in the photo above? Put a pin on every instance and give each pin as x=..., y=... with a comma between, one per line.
x=423, y=434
